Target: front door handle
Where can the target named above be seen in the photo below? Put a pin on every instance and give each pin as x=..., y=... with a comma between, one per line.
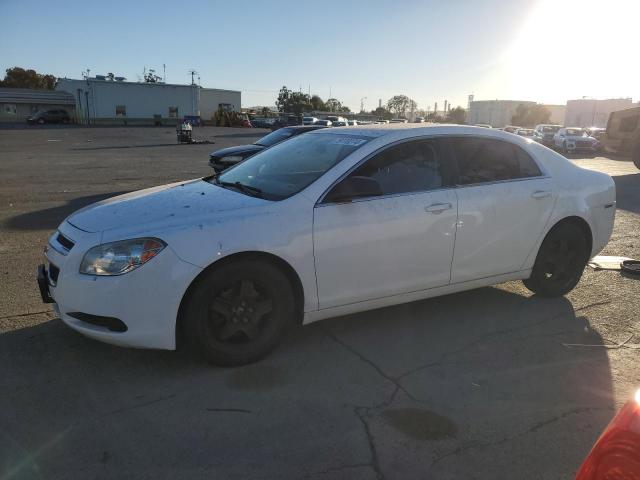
x=541, y=194
x=438, y=207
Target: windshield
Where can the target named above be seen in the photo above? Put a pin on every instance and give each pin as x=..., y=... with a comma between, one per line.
x=275, y=137
x=550, y=129
x=575, y=132
x=287, y=168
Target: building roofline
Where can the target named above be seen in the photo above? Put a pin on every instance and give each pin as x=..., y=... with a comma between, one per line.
x=154, y=84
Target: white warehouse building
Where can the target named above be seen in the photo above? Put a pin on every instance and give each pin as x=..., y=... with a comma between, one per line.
x=496, y=113
x=588, y=112
x=103, y=101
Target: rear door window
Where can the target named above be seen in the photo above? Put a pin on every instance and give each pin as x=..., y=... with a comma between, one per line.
x=482, y=160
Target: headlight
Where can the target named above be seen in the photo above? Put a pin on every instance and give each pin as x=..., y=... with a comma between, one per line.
x=116, y=258
x=232, y=159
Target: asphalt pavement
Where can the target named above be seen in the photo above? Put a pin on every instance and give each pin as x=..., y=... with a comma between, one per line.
x=487, y=384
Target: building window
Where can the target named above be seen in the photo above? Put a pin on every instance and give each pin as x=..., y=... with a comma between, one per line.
x=8, y=109
x=121, y=111
x=173, y=112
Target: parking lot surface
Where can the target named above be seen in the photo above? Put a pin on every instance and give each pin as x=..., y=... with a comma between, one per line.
x=492, y=383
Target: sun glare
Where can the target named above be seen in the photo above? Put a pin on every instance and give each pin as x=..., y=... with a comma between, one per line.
x=569, y=49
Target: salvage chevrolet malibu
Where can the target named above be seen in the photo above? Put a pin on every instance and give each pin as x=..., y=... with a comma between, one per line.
x=328, y=223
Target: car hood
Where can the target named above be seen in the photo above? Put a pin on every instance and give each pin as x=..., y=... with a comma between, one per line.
x=243, y=150
x=173, y=203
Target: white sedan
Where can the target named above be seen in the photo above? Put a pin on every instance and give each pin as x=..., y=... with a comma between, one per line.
x=328, y=223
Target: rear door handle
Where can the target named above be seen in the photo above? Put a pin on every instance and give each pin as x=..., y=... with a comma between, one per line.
x=541, y=194
x=438, y=207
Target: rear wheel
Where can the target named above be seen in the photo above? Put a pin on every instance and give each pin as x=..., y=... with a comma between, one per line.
x=636, y=155
x=560, y=261
x=41, y=121
x=239, y=312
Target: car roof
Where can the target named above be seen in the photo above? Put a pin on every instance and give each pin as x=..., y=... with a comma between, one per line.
x=407, y=130
x=303, y=127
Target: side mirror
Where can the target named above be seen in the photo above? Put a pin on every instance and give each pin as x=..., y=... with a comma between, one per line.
x=354, y=187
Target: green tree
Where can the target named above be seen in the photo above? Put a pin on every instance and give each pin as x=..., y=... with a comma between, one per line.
x=17, y=77
x=317, y=103
x=399, y=104
x=383, y=113
x=333, y=105
x=457, y=115
x=530, y=115
x=293, y=102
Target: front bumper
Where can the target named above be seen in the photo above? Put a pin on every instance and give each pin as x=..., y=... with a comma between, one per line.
x=146, y=300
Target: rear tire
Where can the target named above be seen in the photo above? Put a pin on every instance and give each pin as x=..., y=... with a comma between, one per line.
x=239, y=312
x=636, y=155
x=560, y=262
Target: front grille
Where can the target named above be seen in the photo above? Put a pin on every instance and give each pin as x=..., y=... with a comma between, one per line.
x=53, y=273
x=64, y=241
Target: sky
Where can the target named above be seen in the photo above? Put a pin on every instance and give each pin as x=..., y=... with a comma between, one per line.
x=547, y=51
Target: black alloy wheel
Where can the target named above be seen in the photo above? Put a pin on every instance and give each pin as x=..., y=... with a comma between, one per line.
x=560, y=261
x=238, y=312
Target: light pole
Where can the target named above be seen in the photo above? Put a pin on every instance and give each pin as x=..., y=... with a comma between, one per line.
x=362, y=104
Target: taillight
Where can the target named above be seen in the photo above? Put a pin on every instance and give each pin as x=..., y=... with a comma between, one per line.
x=616, y=454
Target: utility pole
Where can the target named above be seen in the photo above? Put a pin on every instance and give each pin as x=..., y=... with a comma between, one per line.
x=193, y=74
x=164, y=73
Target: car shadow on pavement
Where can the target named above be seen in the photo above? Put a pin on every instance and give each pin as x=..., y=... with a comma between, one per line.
x=628, y=192
x=470, y=385
x=50, y=218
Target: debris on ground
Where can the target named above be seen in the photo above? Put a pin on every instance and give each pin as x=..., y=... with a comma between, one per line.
x=607, y=262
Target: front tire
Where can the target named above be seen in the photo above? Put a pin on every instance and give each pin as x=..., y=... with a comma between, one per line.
x=239, y=312
x=560, y=262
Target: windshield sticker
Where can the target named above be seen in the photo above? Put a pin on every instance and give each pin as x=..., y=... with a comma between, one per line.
x=352, y=141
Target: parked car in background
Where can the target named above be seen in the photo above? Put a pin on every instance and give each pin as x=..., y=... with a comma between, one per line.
x=570, y=140
x=286, y=121
x=324, y=123
x=399, y=120
x=483, y=125
x=49, y=116
x=511, y=128
x=220, y=160
x=262, y=122
x=525, y=132
x=544, y=133
x=353, y=123
x=301, y=231
x=419, y=120
x=596, y=132
x=623, y=134
x=340, y=123
x=309, y=120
